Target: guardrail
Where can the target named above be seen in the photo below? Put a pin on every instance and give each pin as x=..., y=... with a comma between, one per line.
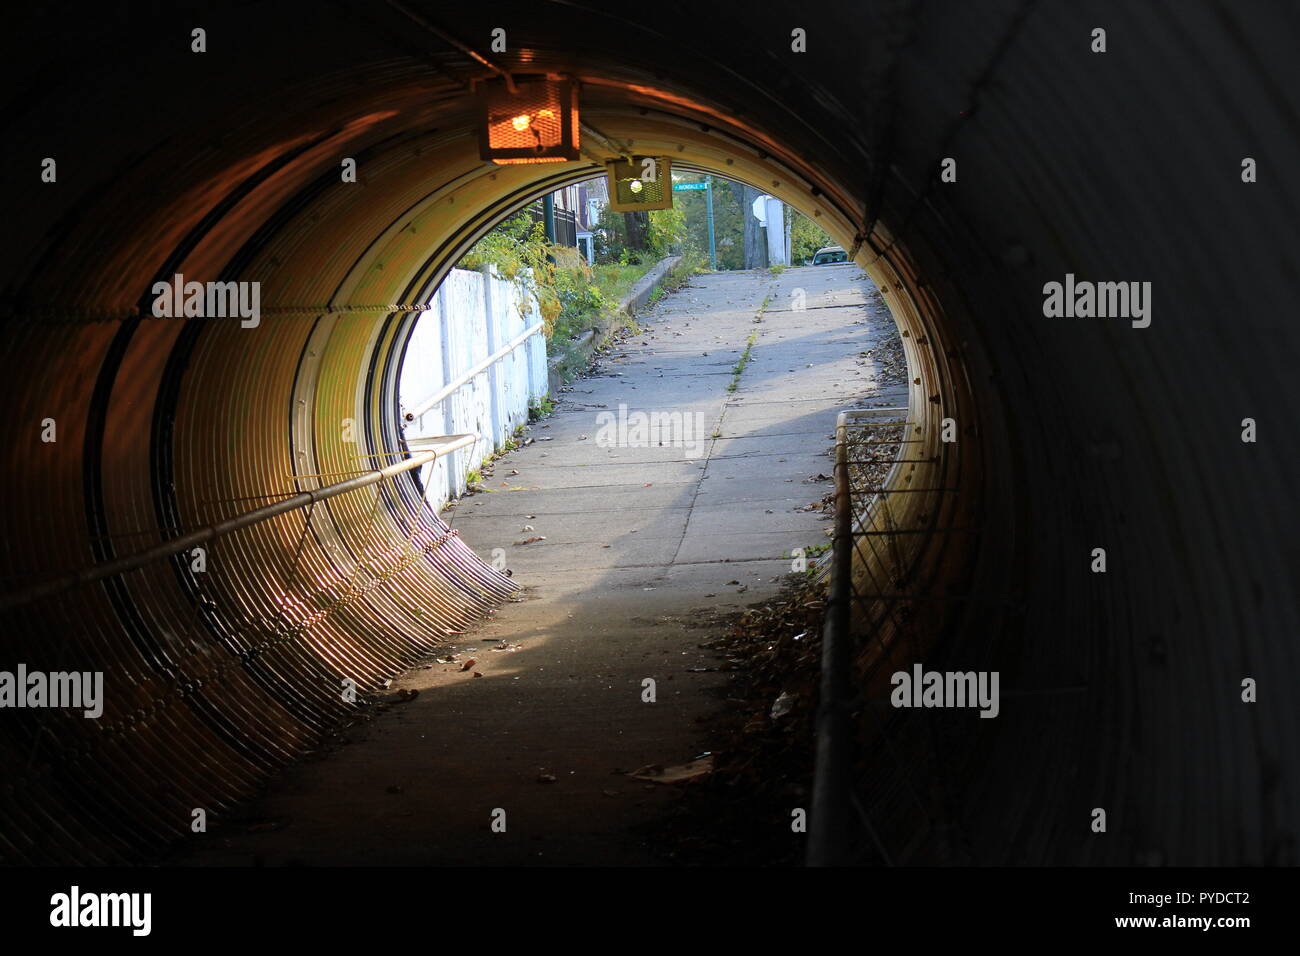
x=215, y=676
x=833, y=811
x=174, y=546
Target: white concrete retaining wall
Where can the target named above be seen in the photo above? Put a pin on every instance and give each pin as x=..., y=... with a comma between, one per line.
x=471, y=317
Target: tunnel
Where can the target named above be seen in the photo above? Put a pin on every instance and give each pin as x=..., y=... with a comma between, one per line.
x=1123, y=689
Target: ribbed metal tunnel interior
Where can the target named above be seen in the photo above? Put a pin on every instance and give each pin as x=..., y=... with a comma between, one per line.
x=1121, y=689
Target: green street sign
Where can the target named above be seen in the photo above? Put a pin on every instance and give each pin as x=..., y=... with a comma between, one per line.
x=684, y=187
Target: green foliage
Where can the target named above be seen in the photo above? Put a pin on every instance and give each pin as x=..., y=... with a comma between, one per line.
x=615, y=281
x=540, y=408
x=692, y=263
x=570, y=294
x=595, y=291
x=806, y=237
x=518, y=250
x=516, y=245
x=579, y=297
x=557, y=278
x=666, y=234
x=611, y=241
x=728, y=224
x=667, y=231
x=744, y=360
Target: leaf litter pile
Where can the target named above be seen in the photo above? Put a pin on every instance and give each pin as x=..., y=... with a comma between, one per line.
x=740, y=813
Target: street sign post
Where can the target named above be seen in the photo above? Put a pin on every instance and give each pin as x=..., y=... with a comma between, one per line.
x=713, y=251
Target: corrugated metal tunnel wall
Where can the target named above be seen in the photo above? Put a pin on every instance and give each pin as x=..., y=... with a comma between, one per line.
x=1122, y=690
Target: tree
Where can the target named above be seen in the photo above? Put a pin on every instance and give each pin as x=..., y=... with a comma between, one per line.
x=667, y=234
x=806, y=237
x=637, y=225
x=623, y=236
x=755, y=247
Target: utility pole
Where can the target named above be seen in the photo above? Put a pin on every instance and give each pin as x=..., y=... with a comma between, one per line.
x=713, y=251
x=548, y=220
x=788, y=215
x=548, y=216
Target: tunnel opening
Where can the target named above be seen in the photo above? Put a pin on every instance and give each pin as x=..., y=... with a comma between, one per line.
x=340, y=366
x=482, y=342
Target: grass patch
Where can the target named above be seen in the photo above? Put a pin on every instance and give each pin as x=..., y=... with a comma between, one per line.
x=615, y=280
x=593, y=297
x=540, y=409
x=690, y=264
x=744, y=360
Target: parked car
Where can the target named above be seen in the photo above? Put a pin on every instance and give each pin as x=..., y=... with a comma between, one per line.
x=827, y=255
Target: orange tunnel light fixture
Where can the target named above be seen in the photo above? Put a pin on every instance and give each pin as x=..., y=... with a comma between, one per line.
x=537, y=123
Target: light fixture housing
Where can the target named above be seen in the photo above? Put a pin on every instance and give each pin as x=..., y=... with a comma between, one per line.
x=642, y=182
x=537, y=122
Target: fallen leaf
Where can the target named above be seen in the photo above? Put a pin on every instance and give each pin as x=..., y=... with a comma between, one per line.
x=682, y=773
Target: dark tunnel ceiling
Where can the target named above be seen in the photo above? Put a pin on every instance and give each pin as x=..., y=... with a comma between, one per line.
x=1075, y=432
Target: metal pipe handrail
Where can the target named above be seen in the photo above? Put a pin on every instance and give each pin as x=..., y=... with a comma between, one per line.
x=132, y=562
x=830, y=805
x=832, y=796
x=478, y=369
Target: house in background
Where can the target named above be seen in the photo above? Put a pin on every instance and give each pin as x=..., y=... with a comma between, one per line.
x=593, y=197
x=577, y=214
